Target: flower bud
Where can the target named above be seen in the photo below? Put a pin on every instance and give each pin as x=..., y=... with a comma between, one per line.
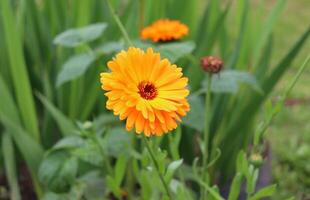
x=87, y=125
x=211, y=64
x=256, y=159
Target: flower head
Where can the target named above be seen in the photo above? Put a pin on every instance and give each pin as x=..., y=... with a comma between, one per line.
x=211, y=64
x=256, y=159
x=149, y=92
x=165, y=30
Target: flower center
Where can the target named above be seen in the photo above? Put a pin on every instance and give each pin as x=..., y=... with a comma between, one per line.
x=147, y=90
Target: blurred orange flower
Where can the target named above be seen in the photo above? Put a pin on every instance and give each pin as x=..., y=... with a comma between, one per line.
x=147, y=91
x=164, y=30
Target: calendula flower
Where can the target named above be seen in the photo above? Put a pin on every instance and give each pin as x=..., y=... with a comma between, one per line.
x=147, y=91
x=212, y=64
x=165, y=30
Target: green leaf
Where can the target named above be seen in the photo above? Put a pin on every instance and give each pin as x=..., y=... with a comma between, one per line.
x=229, y=82
x=213, y=191
x=176, y=50
x=64, y=123
x=267, y=28
x=160, y=156
x=95, y=185
x=76, y=193
x=89, y=152
x=118, y=142
x=172, y=51
x=58, y=171
x=216, y=189
x=165, y=197
x=242, y=163
x=143, y=44
x=54, y=196
x=112, y=185
x=240, y=42
x=195, y=118
x=251, y=179
x=106, y=119
x=10, y=165
x=31, y=150
x=291, y=198
x=69, y=143
x=270, y=82
x=265, y=192
x=78, y=36
x=120, y=169
x=74, y=67
x=235, y=187
x=10, y=110
x=174, y=143
x=172, y=167
x=110, y=47
x=144, y=179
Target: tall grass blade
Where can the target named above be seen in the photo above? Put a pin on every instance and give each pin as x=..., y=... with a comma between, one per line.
x=285, y=63
x=266, y=30
x=10, y=109
x=262, y=67
x=242, y=31
x=19, y=72
x=10, y=166
x=66, y=126
x=28, y=146
x=189, y=8
x=30, y=149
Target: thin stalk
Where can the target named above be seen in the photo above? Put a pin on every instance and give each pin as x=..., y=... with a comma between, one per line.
x=119, y=23
x=283, y=97
x=141, y=15
x=295, y=79
x=206, y=131
x=157, y=167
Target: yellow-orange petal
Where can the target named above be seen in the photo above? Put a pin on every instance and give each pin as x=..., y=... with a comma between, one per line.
x=147, y=92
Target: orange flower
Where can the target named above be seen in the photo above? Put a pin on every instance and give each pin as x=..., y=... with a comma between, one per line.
x=147, y=91
x=165, y=30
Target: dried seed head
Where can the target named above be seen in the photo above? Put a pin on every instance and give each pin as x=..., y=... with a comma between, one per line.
x=211, y=64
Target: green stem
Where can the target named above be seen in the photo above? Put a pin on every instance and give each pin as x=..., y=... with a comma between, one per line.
x=119, y=23
x=157, y=167
x=206, y=131
x=295, y=79
x=283, y=97
x=141, y=15
x=207, y=122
